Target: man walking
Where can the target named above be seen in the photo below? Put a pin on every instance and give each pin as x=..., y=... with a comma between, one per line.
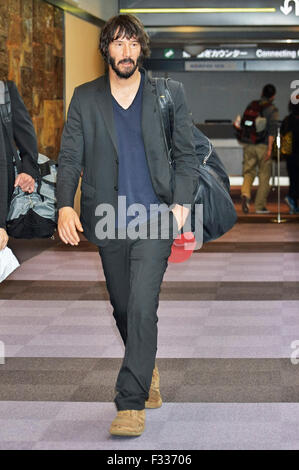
x=257, y=153
x=114, y=134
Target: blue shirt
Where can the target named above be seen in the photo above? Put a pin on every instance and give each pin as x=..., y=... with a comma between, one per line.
x=134, y=179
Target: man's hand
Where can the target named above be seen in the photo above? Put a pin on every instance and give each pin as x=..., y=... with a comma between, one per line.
x=3, y=238
x=68, y=224
x=181, y=214
x=268, y=155
x=26, y=182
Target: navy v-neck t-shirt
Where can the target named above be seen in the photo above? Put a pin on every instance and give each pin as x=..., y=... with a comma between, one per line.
x=134, y=180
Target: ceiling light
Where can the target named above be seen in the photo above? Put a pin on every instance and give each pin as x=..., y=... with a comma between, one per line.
x=194, y=49
x=197, y=10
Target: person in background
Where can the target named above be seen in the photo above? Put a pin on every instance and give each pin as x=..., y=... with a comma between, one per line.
x=25, y=139
x=258, y=156
x=290, y=146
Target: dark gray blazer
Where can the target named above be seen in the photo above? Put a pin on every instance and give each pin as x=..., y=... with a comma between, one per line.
x=89, y=143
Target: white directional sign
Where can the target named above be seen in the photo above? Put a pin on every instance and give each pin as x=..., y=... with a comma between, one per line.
x=286, y=8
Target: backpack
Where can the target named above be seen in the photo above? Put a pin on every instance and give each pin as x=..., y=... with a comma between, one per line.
x=213, y=189
x=286, y=146
x=289, y=142
x=30, y=215
x=253, y=126
x=289, y=135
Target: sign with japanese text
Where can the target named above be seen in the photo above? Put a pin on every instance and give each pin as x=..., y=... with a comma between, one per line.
x=231, y=53
x=250, y=53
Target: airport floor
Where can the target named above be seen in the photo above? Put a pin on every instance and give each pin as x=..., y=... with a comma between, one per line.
x=228, y=320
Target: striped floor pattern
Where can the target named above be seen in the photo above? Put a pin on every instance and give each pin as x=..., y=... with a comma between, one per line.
x=227, y=349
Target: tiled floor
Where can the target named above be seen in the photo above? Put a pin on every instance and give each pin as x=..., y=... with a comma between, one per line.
x=56, y=425
x=200, y=267
x=227, y=349
x=33, y=328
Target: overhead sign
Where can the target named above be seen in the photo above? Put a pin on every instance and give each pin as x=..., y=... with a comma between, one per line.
x=213, y=12
x=231, y=53
x=218, y=66
x=168, y=53
x=277, y=54
x=248, y=53
x=287, y=7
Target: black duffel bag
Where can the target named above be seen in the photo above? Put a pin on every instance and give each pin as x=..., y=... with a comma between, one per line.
x=219, y=214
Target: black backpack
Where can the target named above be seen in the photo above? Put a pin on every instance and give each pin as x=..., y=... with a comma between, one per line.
x=253, y=126
x=213, y=189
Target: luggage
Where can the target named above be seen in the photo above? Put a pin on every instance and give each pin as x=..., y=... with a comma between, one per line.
x=35, y=215
x=286, y=147
x=219, y=214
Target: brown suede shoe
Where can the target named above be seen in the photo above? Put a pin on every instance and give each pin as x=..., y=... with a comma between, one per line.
x=128, y=423
x=154, y=398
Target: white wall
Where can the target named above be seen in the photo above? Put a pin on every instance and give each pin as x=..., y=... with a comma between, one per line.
x=102, y=9
x=83, y=61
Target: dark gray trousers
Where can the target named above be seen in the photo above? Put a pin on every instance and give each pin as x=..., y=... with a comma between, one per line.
x=134, y=271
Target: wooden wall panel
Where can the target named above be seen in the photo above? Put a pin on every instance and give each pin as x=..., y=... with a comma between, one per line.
x=32, y=54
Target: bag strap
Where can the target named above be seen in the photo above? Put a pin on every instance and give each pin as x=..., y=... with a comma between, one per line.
x=166, y=110
x=2, y=92
x=263, y=107
x=6, y=117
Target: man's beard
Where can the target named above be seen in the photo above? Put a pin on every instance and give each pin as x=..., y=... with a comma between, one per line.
x=118, y=72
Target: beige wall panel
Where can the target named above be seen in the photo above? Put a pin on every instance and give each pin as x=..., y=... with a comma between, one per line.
x=83, y=62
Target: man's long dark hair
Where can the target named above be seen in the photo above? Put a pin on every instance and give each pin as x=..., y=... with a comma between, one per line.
x=128, y=26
